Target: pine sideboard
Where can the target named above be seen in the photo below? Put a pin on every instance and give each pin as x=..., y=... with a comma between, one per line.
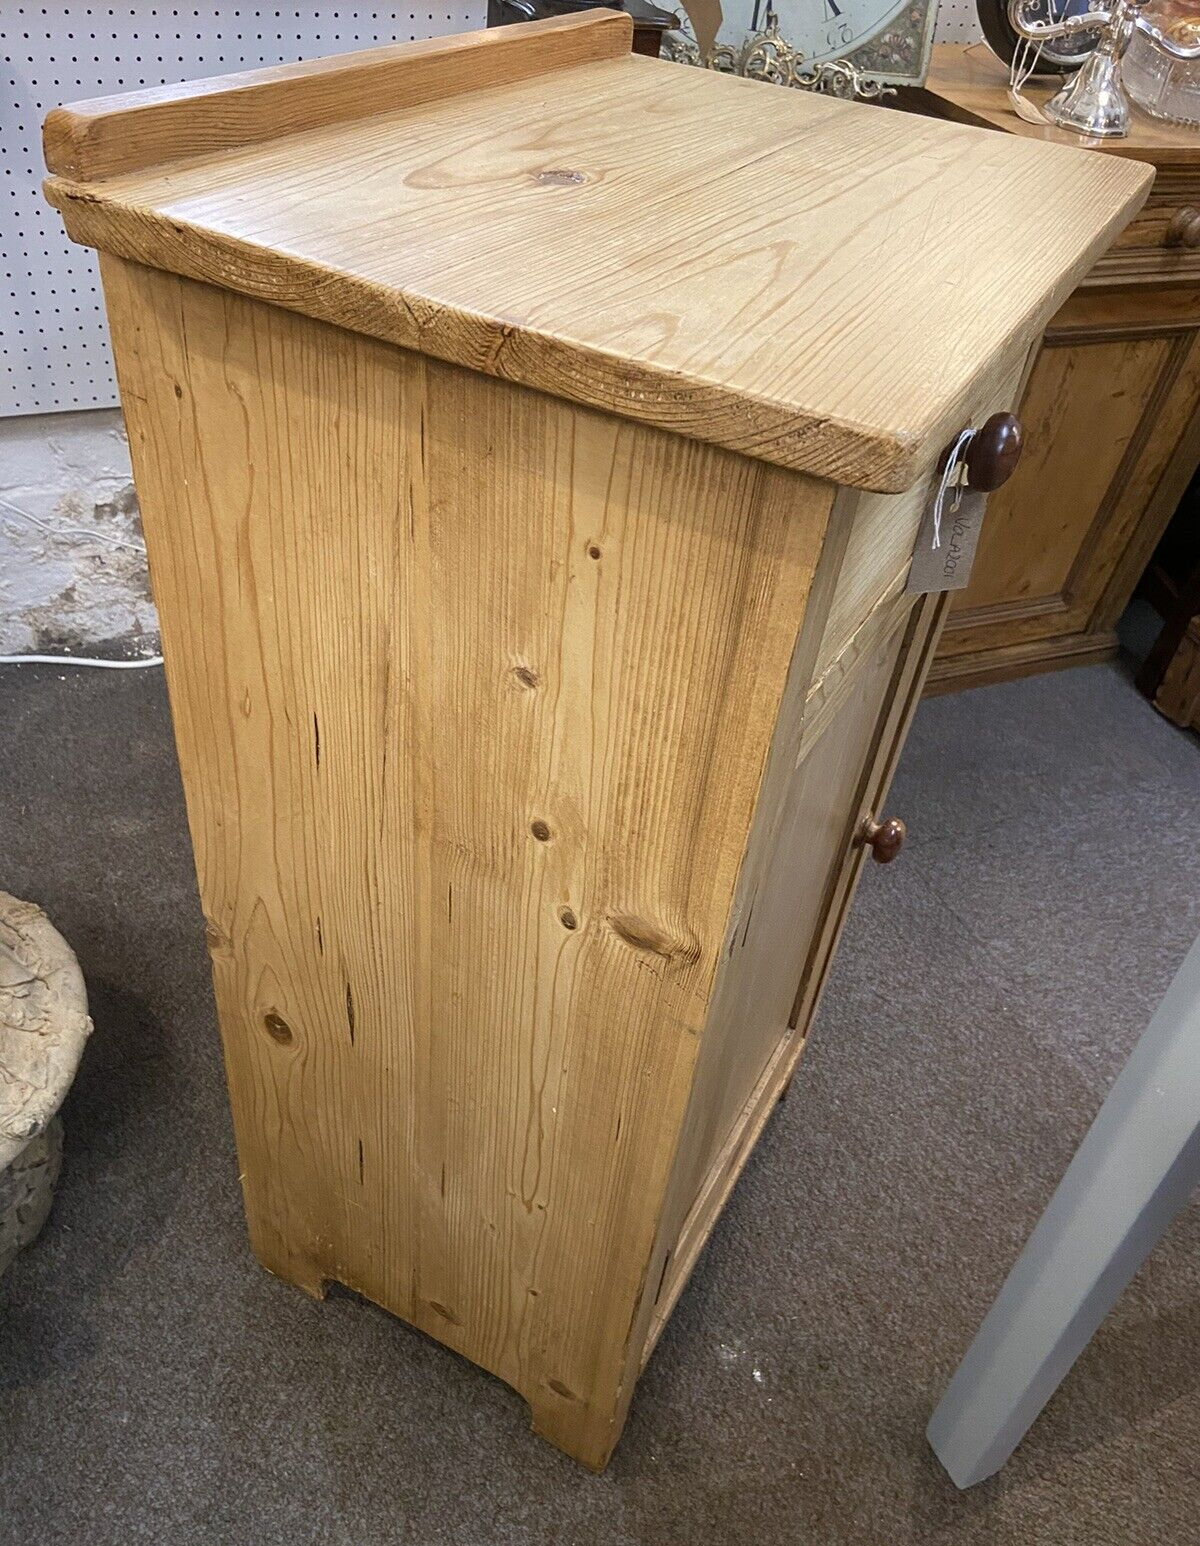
x=529, y=516
x=1111, y=410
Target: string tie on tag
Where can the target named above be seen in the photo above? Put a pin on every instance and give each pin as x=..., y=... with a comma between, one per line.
x=1024, y=62
x=949, y=476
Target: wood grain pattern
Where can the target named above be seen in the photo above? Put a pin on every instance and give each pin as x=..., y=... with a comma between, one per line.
x=817, y=864
x=1128, y=308
x=954, y=670
x=925, y=623
x=473, y=690
x=806, y=826
x=858, y=670
x=882, y=535
x=792, y=289
x=969, y=85
x=139, y=129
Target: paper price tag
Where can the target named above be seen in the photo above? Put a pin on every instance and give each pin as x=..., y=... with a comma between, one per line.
x=948, y=566
x=1026, y=109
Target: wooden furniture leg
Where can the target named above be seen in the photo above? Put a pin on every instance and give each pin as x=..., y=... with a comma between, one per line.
x=1170, y=674
x=1132, y=1173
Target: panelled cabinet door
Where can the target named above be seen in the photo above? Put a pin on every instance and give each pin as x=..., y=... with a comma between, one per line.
x=776, y=964
x=810, y=841
x=909, y=655
x=1108, y=416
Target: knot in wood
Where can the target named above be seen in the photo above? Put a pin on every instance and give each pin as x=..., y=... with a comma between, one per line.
x=644, y=934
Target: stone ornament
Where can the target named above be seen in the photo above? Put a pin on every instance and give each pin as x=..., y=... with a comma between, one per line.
x=43, y=1027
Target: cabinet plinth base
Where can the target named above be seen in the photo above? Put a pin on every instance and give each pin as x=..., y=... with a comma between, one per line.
x=984, y=668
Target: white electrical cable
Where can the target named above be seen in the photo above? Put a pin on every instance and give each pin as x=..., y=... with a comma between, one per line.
x=80, y=660
x=59, y=528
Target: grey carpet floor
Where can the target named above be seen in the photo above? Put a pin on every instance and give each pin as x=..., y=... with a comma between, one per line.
x=156, y=1385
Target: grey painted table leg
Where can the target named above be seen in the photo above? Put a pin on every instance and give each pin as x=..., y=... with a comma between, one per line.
x=1133, y=1172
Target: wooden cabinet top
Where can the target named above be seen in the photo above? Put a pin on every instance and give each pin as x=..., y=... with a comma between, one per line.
x=817, y=284
x=970, y=85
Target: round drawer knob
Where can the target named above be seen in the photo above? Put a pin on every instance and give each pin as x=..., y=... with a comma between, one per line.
x=885, y=839
x=992, y=456
x=1184, y=230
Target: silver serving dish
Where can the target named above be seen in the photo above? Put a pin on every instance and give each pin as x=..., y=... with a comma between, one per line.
x=1159, y=83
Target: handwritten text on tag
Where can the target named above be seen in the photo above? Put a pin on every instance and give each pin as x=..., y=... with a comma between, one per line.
x=947, y=567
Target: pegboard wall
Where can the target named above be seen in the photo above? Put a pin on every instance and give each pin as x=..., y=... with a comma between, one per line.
x=53, y=341
x=958, y=22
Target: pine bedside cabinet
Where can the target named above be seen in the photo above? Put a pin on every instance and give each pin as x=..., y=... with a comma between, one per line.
x=529, y=515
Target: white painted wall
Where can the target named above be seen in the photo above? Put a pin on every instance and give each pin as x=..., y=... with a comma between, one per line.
x=72, y=566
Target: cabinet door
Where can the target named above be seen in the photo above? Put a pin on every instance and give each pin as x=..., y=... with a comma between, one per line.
x=918, y=640
x=1108, y=414
x=806, y=847
x=778, y=953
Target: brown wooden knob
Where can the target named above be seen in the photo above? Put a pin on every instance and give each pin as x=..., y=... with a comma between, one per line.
x=1184, y=230
x=992, y=456
x=885, y=839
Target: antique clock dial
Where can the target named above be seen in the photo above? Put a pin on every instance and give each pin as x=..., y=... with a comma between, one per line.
x=820, y=29
x=888, y=40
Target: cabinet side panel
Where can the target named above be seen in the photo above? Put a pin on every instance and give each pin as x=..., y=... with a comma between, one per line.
x=473, y=691
x=874, y=568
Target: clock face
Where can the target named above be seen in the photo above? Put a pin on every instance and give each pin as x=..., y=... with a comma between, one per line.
x=820, y=29
x=889, y=39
